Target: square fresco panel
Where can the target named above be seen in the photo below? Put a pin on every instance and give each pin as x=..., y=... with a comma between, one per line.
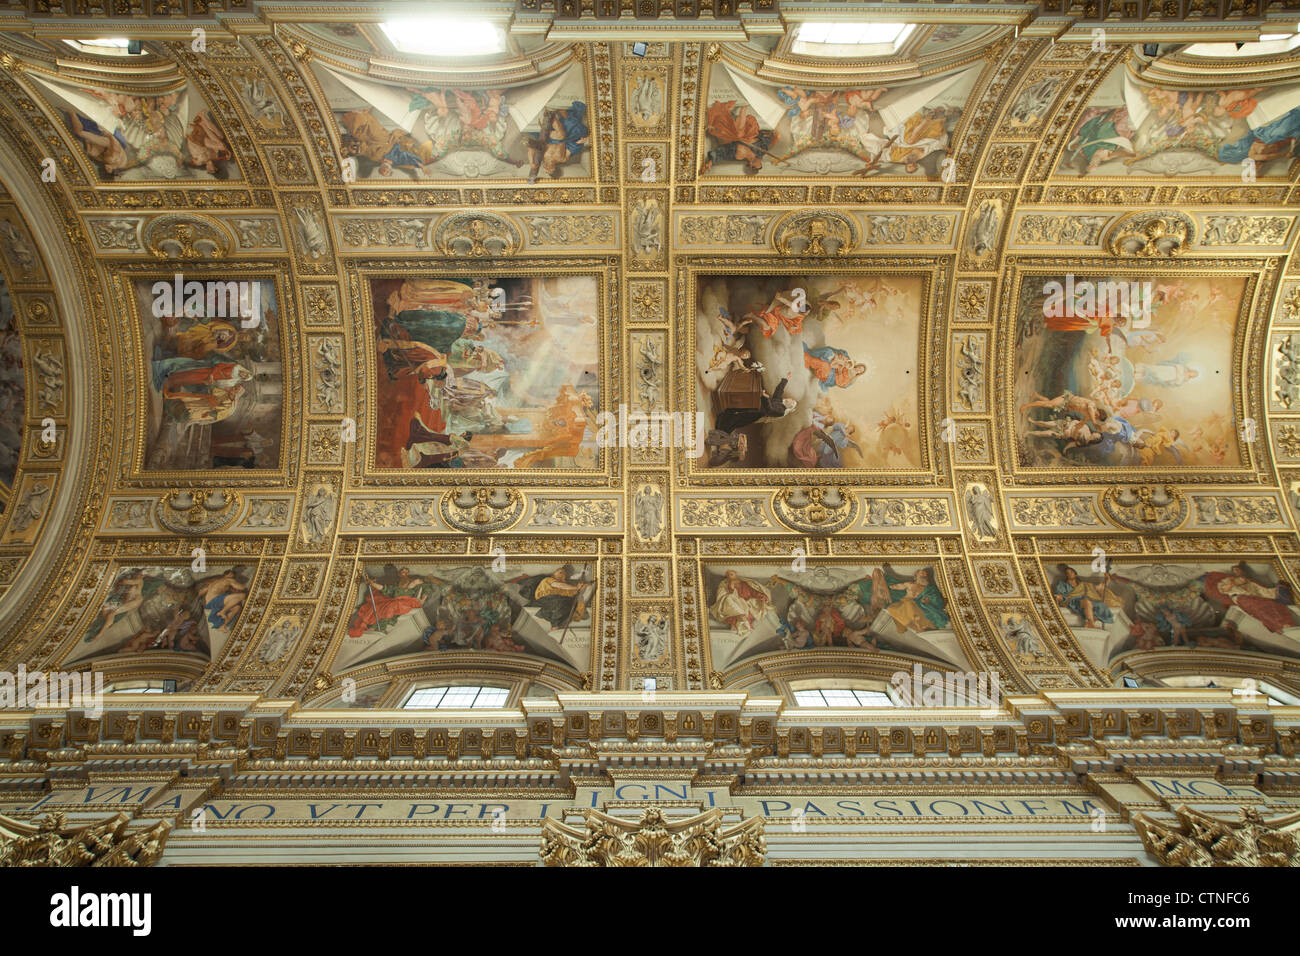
x=1104, y=383
x=539, y=609
x=539, y=131
x=216, y=391
x=760, y=609
x=1148, y=607
x=486, y=372
x=1133, y=129
x=150, y=609
x=809, y=371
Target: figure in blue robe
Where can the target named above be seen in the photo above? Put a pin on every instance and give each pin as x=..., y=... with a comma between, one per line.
x=574, y=122
x=1284, y=127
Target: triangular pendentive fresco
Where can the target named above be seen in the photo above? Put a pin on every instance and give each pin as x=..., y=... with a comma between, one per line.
x=755, y=127
x=129, y=137
x=1132, y=128
x=540, y=130
x=541, y=610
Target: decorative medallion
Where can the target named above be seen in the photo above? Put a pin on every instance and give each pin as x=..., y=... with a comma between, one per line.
x=816, y=510
x=816, y=234
x=1145, y=507
x=197, y=511
x=186, y=237
x=477, y=234
x=1160, y=233
x=482, y=509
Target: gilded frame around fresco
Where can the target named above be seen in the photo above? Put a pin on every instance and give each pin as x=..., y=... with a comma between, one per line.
x=930, y=362
x=363, y=395
x=1249, y=333
x=123, y=276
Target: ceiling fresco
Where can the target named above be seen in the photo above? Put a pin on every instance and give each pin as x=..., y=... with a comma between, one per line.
x=706, y=360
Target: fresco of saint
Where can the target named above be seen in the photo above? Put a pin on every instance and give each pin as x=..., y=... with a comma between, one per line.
x=131, y=138
x=818, y=372
x=150, y=609
x=1130, y=128
x=486, y=373
x=539, y=130
x=1138, y=608
x=1101, y=383
x=215, y=389
x=752, y=127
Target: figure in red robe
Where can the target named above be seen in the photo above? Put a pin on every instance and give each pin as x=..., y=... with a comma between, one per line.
x=1268, y=605
x=376, y=606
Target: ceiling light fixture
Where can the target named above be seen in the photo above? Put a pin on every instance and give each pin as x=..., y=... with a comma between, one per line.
x=443, y=36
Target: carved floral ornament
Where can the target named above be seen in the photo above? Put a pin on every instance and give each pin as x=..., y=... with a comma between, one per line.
x=653, y=840
x=51, y=842
x=1199, y=839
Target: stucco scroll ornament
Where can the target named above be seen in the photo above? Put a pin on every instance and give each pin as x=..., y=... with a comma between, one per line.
x=818, y=510
x=816, y=234
x=1154, y=234
x=477, y=234
x=50, y=842
x=197, y=512
x=700, y=840
x=186, y=237
x=1202, y=840
x=482, y=509
x=1145, y=507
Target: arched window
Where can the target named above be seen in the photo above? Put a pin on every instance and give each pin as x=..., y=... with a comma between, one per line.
x=1243, y=688
x=459, y=696
x=159, y=686
x=832, y=692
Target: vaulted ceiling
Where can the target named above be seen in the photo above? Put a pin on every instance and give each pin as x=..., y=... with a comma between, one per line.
x=973, y=349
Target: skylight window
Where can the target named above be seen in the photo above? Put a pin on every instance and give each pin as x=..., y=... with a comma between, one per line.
x=850, y=39
x=445, y=698
x=828, y=697
x=441, y=36
x=1269, y=43
x=104, y=46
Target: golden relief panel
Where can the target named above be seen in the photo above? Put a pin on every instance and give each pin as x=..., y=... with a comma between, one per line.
x=845, y=341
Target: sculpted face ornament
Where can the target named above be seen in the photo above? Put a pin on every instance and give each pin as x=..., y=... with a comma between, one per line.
x=482, y=509
x=815, y=509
